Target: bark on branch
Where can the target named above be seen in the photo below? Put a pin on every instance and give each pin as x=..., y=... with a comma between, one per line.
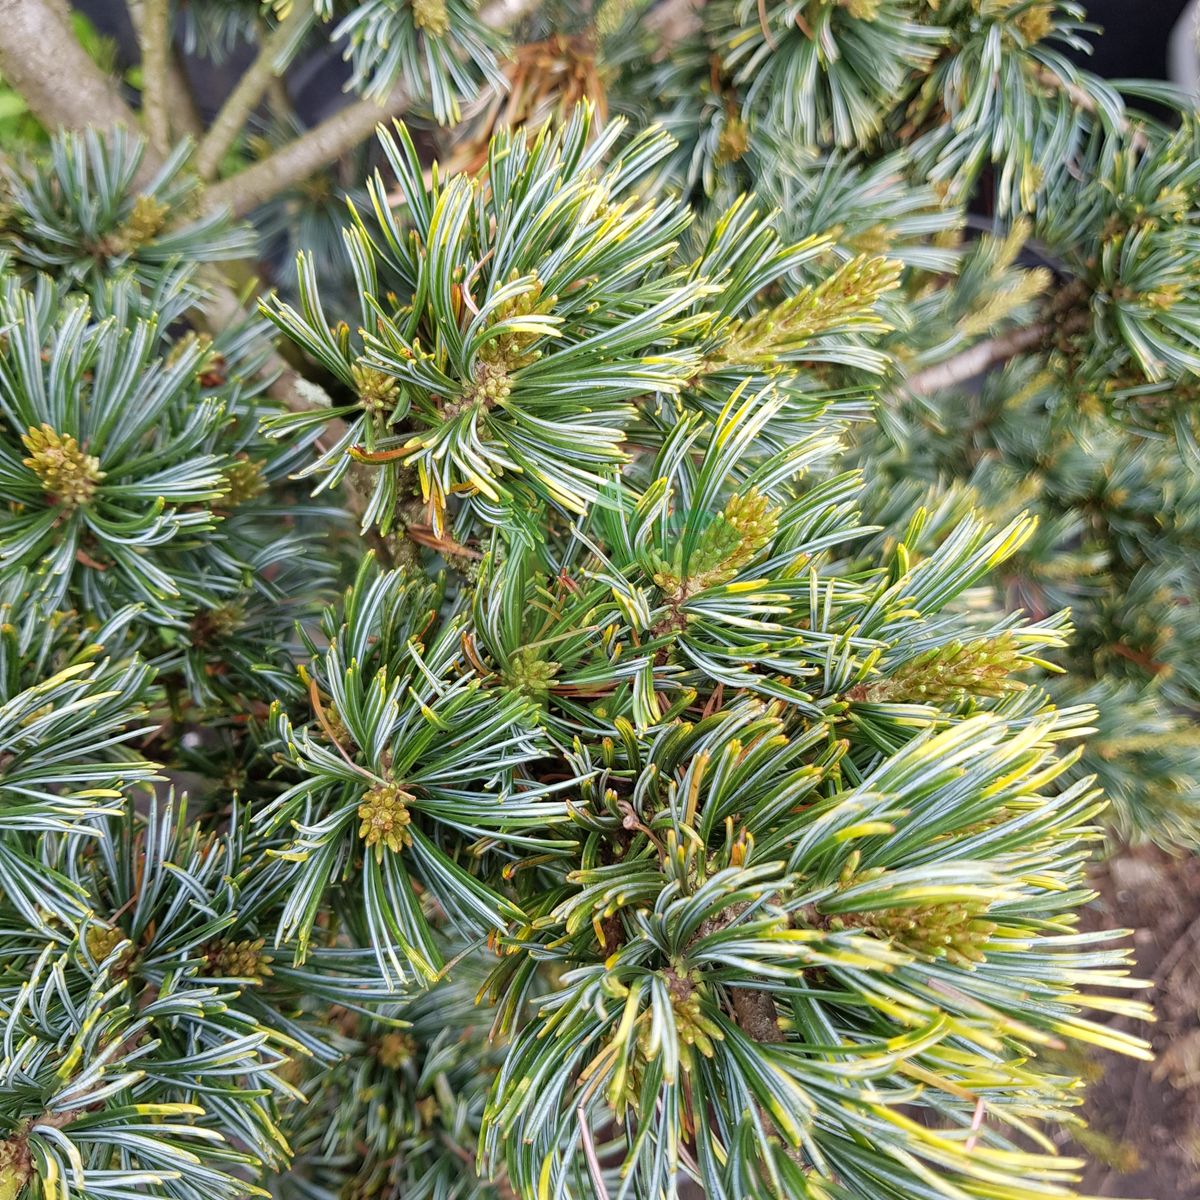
x=305, y=155
x=36, y=48
x=754, y=1009
x=757, y=1016
x=340, y=133
x=251, y=88
x=154, y=37
x=978, y=359
x=983, y=357
x=38, y=53
x=181, y=104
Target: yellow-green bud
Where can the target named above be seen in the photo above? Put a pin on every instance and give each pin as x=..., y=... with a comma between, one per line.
x=489, y=388
x=145, y=223
x=244, y=481
x=377, y=391
x=983, y=667
x=384, y=818
x=102, y=940
x=1036, y=22
x=431, y=16
x=957, y=932
x=237, y=960
x=511, y=350
x=68, y=475
x=216, y=624
x=395, y=1049
x=529, y=673
x=733, y=141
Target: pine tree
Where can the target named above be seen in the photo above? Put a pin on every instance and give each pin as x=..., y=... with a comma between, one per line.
x=604, y=677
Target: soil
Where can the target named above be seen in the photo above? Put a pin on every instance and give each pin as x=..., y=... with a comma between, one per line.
x=1145, y=1117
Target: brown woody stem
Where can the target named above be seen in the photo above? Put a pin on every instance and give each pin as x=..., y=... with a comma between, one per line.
x=992, y=353
x=978, y=359
x=154, y=37
x=304, y=155
x=251, y=88
x=756, y=1014
x=333, y=137
x=38, y=52
x=181, y=104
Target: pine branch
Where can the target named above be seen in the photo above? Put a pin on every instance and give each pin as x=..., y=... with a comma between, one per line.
x=154, y=37
x=36, y=49
x=305, y=155
x=38, y=52
x=251, y=88
x=978, y=359
x=182, y=113
x=993, y=353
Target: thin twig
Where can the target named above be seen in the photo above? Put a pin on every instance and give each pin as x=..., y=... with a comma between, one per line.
x=507, y=14
x=976, y=1125
x=589, y=1153
x=154, y=35
x=251, y=88
x=1176, y=951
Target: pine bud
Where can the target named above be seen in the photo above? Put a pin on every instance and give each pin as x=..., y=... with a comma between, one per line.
x=377, y=391
x=431, y=16
x=733, y=141
x=529, y=673
x=1036, y=22
x=735, y=536
x=68, y=475
x=953, y=931
x=237, y=960
x=394, y=1050
x=384, y=816
x=862, y=10
x=215, y=624
x=102, y=940
x=489, y=388
x=244, y=481
x=692, y=1027
x=144, y=224
x=511, y=350
x=947, y=673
